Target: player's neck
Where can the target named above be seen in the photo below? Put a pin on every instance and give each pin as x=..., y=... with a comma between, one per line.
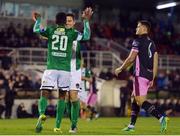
x=60, y=25
x=143, y=35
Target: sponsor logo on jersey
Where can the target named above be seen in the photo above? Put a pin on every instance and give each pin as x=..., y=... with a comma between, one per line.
x=59, y=54
x=60, y=31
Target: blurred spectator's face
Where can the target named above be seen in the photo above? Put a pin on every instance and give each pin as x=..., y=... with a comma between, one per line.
x=141, y=29
x=22, y=104
x=17, y=78
x=70, y=22
x=22, y=77
x=1, y=82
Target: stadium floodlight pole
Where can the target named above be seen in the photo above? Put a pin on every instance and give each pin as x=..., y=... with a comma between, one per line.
x=167, y=5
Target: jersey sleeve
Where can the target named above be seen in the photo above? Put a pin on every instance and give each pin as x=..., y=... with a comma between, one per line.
x=88, y=73
x=86, y=32
x=154, y=47
x=135, y=46
x=38, y=28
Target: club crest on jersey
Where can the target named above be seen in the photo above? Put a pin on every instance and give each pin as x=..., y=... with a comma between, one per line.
x=77, y=85
x=44, y=82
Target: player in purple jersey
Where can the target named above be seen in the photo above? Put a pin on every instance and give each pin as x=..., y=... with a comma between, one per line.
x=145, y=56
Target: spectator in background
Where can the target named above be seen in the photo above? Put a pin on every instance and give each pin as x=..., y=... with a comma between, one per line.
x=177, y=108
x=125, y=94
x=37, y=84
x=123, y=100
x=22, y=112
x=102, y=74
x=161, y=81
x=34, y=109
x=51, y=109
x=176, y=80
x=2, y=93
x=109, y=75
x=9, y=99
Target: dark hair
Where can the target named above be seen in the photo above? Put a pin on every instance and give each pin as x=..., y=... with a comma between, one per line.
x=147, y=24
x=71, y=15
x=61, y=18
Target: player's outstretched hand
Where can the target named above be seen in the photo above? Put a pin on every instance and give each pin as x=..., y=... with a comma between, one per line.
x=35, y=15
x=151, y=84
x=117, y=71
x=87, y=13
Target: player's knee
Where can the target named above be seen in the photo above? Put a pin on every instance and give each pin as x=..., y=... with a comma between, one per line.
x=62, y=95
x=74, y=98
x=140, y=102
x=45, y=93
x=67, y=97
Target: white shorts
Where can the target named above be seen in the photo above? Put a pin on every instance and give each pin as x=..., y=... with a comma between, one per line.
x=83, y=95
x=55, y=79
x=75, y=80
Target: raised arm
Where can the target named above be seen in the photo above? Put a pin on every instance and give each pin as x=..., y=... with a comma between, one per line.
x=86, y=15
x=38, y=27
x=86, y=31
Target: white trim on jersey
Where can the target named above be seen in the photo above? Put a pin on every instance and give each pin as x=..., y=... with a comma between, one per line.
x=73, y=59
x=79, y=37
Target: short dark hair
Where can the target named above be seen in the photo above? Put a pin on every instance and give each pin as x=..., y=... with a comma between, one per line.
x=71, y=15
x=61, y=18
x=147, y=24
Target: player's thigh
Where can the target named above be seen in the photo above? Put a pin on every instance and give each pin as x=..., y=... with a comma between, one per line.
x=75, y=80
x=73, y=95
x=67, y=96
x=62, y=94
x=49, y=80
x=140, y=99
x=45, y=93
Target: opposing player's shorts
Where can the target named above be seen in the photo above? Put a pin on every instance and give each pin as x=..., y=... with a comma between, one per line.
x=140, y=86
x=75, y=80
x=55, y=79
x=92, y=99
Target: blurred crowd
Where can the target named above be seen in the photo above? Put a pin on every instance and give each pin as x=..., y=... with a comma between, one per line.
x=165, y=30
x=22, y=111
x=167, y=80
x=165, y=33
x=13, y=83
x=18, y=35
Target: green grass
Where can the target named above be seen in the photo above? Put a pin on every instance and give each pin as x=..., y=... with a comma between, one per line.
x=101, y=126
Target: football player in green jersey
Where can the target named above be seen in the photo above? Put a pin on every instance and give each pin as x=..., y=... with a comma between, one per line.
x=57, y=74
x=72, y=101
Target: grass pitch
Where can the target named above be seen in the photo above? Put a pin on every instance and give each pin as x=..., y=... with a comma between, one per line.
x=101, y=126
